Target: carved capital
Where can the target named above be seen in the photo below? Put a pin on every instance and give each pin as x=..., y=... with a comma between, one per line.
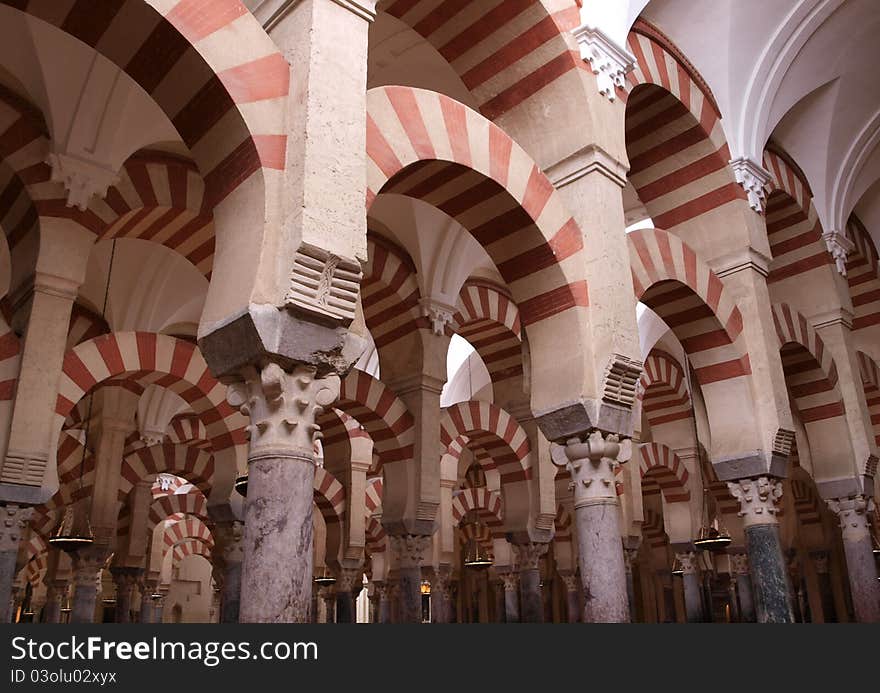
x=12, y=526
x=125, y=579
x=608, y=61
x=592, y=462
x=349, y=579
x=688, y=562
x=409, y=549
x=839, y=246
x=510, y=579
x=570, y=581
x=82, y=179
x=853, y=513
x=629, y=559
x=229, y=541
x=821, y=561
x=283, y=408
x=739, y=563
x=754, y=179
x=324, y=286
x=529, y=555
x=439, y=315
x=758, y=499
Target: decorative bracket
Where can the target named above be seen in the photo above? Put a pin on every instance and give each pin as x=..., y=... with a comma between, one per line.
x=839, y=246
x=608, y=61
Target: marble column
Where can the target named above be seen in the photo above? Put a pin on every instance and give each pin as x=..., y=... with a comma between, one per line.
x=528, y=557
x=148, y=588
x=572, y=603
x=498, y=594
x=384, y=615
x=511, y=595
x=229, y=552
x=629, y=557
x=853, y=513
x=758, y=498
x=374, y=604
x=409, y=551
x=276, y=578
x=13, y=521
x=440, y=595
x=693, y=591
x=159, y=605
x=327, y=597
x=87, y=565
x=56, y=591
x=125, y=580
x=592, y=461
x=348, y=581
x=739, y=564
x=821, y=562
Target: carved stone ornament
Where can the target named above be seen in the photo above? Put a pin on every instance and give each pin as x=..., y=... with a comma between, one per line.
x=739, y=563
x=688, y=562
x=754, y=179
x=26, y=468
x=409, y=549
x=783, y=442
x=570, y=581
x=324, y=285
x=758, y=499
x=630, y=557
x=349, y=579
x=439, y=315
x=229, y=540
x=621, y=380
x=510, y=580
x=82, y=179
x=839, y=246
x=592, y=462
x=283, y=408
x=853, y=513
x=608, y=61
x=12, y=526
x=820, y=561
x=529, y=555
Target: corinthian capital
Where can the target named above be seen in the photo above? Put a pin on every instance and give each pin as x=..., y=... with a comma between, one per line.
x=283, y=407
x=409, y=549
x=529, y=555
x=229, y=541
x=12, y=526
x=592, y=462
x=853, y=513
x=758, y=499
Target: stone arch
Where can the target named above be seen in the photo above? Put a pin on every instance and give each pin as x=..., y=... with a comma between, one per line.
x=487, y=505
x=870, y=375
x=489, y=320
x=85, y=324
x=195, y=465
x=427, y=146
x=192, y=503
x=863, y=276
x=665, y=397
x=189, y=547
x=664, y=466
x=188, y=527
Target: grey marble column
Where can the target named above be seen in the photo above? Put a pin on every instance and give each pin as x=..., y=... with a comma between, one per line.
x=440, y=595
x=384, y=602
x=498, y=598
x=276, y=577
x=758, y=498
x=629, y=557
x=55, y=592
x=528, y=557
x=374, y=605
x=511, y=595
x=739, y=563
x=87, y=564
x=14, y=520
x=345, y=585
x=159, y=608
x=409, y=552
x=853, y=513
x=327, y=596
x=821, y=562
x=572, y=603
x=229, y=549
x=592, y=461
x=693, y=590
x=125, y=580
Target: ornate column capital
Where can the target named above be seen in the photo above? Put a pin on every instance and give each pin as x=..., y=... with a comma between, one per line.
x=283, y=407
x=125, y=577
x=529, y=555
x=349, y=579
x=409, y=549
x=853, y=513
x=570, y=581
x=510, y=578
x=12, y=526
x=839, y=246
x=739, y=563
x=758, y=499
x=688, y=562
x=753, y=178
x=821, y=561
x=630, y=557
x=592, y=461
x=229, y=541
x=82, y=179
x=438, y=314
x=609, y=61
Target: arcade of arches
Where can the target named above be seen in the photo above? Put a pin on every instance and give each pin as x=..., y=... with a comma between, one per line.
x=430, y=310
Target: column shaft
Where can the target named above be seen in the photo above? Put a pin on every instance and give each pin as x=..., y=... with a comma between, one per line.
x=853, y=513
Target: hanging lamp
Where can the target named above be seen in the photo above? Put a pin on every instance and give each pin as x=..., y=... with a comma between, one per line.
x=325, y=579
x=75, y=531
x=677, y=567
x=241, y=484
x=475, y=556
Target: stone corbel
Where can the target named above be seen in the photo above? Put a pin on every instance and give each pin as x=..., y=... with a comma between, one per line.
x=439, y=314
x=608, y=61
x=839, y=246
x=82, y=179
x=754, y=179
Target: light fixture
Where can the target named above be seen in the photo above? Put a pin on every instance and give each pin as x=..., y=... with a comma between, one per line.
x=325, y=579
x=109, y=601
x=426, y=587
x=74, y=532
x=241, y=484
x=156, y=595
x=475, y=556
x=712, y=537
x=677, y=567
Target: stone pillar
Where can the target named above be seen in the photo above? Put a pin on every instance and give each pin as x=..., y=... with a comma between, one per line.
x=229, y=550
x=853, y=513
x=821, y=561
x=148, y=588
x=739, y=563
x=629, y=557
x=87, y=564
x=409, y=551
x=327, y=598
x=55, y=594
x=511, y=595
x=348, y=582
x=528, y=556
x=159, y=605
x=693, y=591
x=374, y=603
x=572, y=603
x=384, y=615
x=125, y=580
x=758, y=498
x=440, y=595
x=13, y=520
x=277, y=567
x=592, y=461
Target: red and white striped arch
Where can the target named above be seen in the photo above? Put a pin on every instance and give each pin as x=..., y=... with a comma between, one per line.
x=487, y=504
x=382, y=413
x=660, y=462
x=486, y=426
x=188, y=429
x=374, y=531
x=187, y=528
x=189, y=547
x=863, y=276
x=675, y=283
x=329, y=496
x=488, y=318
x=675, y=142
x=390, y=292
x=870, y=373
x=653, y=529
x=191, y=463
x=193, y=504
x=807, y=504
x=149, y=358
x=10, y=360
x=427, y=146
x=340, y=434
x=665, y=397
x=84, y=325
x=810, y=371
x=232, y=120
x=504, y=51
